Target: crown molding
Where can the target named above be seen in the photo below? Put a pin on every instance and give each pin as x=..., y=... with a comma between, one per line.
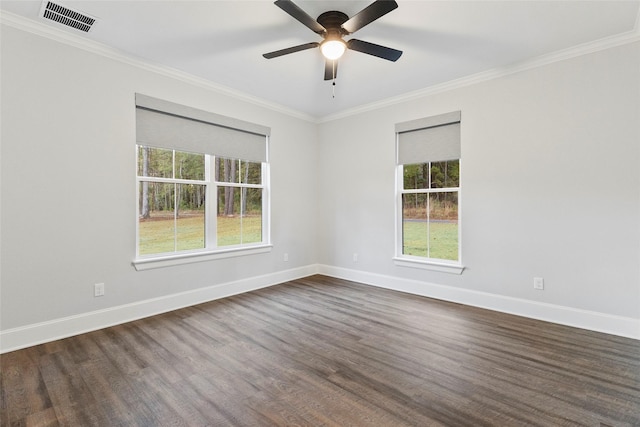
x=540, y=61
x=34, y=27
x=59, y=35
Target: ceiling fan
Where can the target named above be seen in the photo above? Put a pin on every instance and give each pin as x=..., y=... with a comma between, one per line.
x=333, y=26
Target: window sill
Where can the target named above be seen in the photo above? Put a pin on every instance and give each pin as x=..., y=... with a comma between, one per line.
x=141, y=264
x=429, y=265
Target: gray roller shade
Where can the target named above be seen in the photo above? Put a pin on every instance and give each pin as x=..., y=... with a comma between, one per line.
x=432, y=139
x=168, y=125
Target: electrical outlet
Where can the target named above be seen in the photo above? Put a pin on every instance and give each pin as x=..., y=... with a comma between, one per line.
x=355, y=257
x=538, y=283
x=98, y=290
x=285, y=257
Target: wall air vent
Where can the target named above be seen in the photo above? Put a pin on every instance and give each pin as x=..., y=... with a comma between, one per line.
x=66, y=16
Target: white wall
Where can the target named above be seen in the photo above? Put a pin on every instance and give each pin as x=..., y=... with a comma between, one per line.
x=550, y=186
x=68, y=186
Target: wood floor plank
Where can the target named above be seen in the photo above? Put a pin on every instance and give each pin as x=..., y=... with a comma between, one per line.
x=27, y=385
x=44, y=418
x=320, y=351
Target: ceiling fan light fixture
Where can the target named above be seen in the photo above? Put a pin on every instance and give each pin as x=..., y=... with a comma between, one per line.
x=333, y=49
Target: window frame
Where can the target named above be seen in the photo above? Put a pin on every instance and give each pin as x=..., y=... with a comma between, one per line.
x=167, y=125
x=402, y=259
x=210, y=220
x=414, y=261
x=211, y=251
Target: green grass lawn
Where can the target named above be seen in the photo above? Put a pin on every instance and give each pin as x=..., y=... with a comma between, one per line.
x=443, y=239
x=229, y=230
x=157, y=235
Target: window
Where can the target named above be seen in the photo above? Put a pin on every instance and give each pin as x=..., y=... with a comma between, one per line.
x=172, y=190
x=201, y=183
x=428, y=192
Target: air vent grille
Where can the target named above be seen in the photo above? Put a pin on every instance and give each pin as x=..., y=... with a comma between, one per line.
x=65, y=16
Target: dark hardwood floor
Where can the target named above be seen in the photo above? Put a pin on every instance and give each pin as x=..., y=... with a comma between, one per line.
x=326, y=352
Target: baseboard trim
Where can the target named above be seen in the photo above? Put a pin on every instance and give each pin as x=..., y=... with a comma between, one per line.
x=39, y=333
x=584, y=319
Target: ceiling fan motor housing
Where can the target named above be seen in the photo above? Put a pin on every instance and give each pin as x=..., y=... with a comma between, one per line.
x=332, y=21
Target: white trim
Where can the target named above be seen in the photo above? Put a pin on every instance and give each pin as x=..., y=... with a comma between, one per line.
x=600, y=322
x=142, y=264
x=170, y=180
x=266, y=197
x=429, y=265
x=29, y=335
x=430, y=190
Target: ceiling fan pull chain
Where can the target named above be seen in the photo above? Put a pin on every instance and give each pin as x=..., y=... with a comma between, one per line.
x=333, y=85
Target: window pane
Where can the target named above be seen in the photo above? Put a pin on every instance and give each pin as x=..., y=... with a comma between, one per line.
x=239, y=215
x=443, y=225
x=251, y=172
x=156, y=225
x=190, y=223
x=155, y=162
x=414, y=224
x=416, y=176
x=189, y=166
x=229, y=229
x=227, y=170
x=251, y=215
x=445, y=174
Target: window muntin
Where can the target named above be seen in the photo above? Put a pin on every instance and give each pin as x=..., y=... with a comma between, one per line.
x=184, y=207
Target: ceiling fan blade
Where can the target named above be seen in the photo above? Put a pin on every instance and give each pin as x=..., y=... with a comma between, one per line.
x=292, y=9
x=369, y=14
x=374, y=49
x=289, y=50
x=330, y=69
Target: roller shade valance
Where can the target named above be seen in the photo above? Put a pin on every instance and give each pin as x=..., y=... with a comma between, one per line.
x=432, y=139
x=168, y=125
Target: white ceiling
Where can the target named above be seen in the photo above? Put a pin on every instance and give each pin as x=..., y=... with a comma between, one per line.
x=223, y=41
